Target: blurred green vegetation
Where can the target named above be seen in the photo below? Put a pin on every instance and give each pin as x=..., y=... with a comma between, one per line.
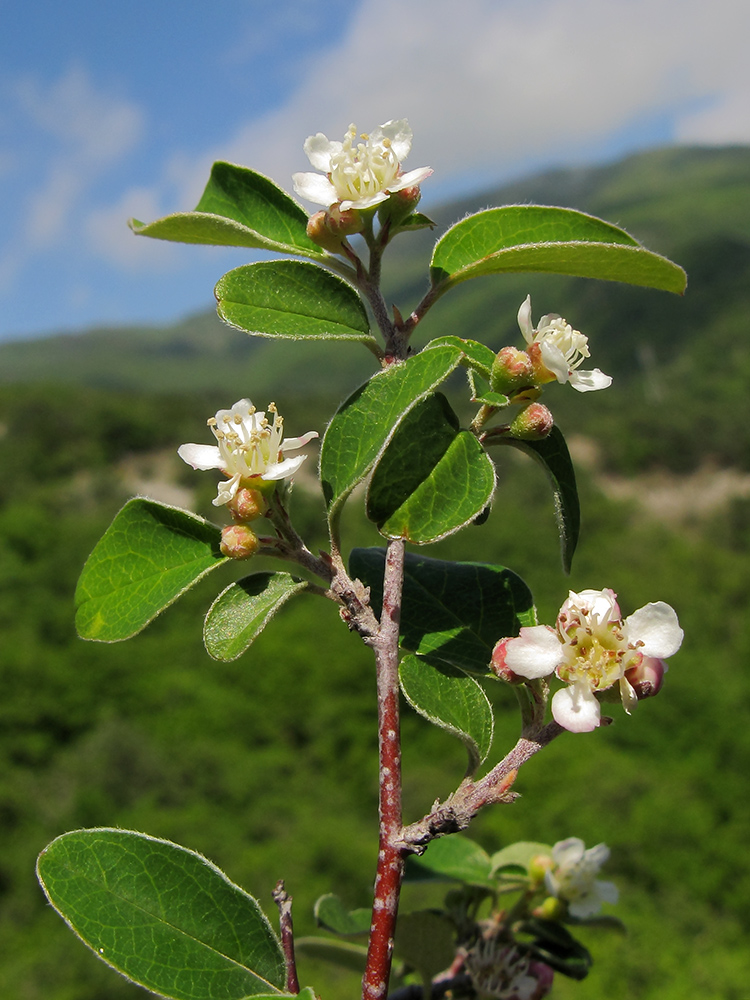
x=268, y=765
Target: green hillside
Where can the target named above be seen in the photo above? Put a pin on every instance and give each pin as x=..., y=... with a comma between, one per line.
x=267, y=765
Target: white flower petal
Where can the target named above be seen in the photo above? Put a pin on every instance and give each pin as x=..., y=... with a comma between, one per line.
x=411, y=179
x=370, y=202
x=576, y=709
x=628, y=695
x=315, y=188
x=319, y=149
x=568, y=852
x=657, y=627
x=282, y=470
x=536, y=652
x=555, y=360
x=589, y=381
x=399, y=132
x=201, y=456
x=524, y=320
x=289, y=444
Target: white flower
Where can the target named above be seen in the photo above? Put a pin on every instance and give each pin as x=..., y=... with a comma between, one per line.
x=250, y=448
x=359, y=174
x=591, y=648
x=562, y=349
x=574, y=880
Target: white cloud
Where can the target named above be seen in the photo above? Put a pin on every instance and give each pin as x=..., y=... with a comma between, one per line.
x=110, y=237
x=491, y=86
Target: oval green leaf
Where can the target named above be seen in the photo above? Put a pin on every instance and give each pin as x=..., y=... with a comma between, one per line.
x=451, y=612
x=241, y=612
x=363, y=424
x=150, y=555
x=454, y=857
x=432, y=478
x=553, y=455
x=162, y=915
x=331, y=913
x=450, y=699
x=239, y=208
x=519, y=855
x=290, y=298
x=551, y=240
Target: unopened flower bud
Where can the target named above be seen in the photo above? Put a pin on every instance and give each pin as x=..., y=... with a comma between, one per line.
x=540, y=373
x=544, y=974
x=533, y=423
x=330, y=229
x=400, y=205
x=512, y=371
x=647, y=677
x=247, y=505
x=238, y=541
x=550, y=909
x=500, y=668
x=539, y=865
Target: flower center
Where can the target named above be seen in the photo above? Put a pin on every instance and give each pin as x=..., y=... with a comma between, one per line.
x=365, y=169
x=596, y=653
x=248, y=443
x=572, y=343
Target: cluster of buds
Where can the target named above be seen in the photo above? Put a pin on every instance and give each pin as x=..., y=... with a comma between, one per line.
x=593, y=650
x=250, y=451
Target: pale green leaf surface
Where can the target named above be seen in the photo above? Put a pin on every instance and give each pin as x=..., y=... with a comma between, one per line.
x=452, y=612
x=238, y=208
x=553, y=240
x=452, y=700
x=241, y=612
x=150, y=555
x=363, y=424
x=162, y=915
x=454, y=857
x=432, y=478
x=331, y=913
x=519, y=855
x=290, y=298
x=553, y=455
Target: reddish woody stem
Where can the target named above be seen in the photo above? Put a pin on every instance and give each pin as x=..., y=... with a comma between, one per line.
x=284, y=902
x=391, y=852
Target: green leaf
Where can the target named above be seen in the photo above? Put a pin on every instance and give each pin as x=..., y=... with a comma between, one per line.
x=149, y=556
x=432, y=478
x=452, y=612
x=551, y=240
x=552, y=452
x=456, y=858
x=241, y=612
x=476, y=356
x=519, y=855
x=162, y=915
x=448, y=698
x=290, y=298
x=331, y=913
x=363, y=424
x=557, y=947
x=239, y=208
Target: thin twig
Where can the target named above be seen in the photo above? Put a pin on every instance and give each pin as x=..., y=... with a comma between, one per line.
x=284, y=902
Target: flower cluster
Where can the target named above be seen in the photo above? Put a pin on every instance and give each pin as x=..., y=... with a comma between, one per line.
x=573, y=880
x=500, y=969
x=249, y=451
x=592, y=649
x=359, y=174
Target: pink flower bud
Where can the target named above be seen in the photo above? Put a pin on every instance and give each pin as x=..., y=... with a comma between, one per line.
x=400, y=205
x=533, y=423
x=330, y=228
x=238, y=541
x=498, y=664
x=512, y=371
x=247, y=505
x=646, y=677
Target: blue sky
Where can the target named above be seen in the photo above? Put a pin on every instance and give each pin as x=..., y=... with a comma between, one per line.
x=114, y=110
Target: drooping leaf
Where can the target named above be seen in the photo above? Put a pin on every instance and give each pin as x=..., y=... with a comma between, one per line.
x=432, y=477
x=331, y=913
x=452, y=700
x=552, y=452
x=551, y=240
x=291, y=298
x=451, y=613
x=365, y=421
x=556, y=946
x=162, y=915
x=239, y=208
x=150, y=555
x=241, y=612
x=455, y=858
x=518, y=855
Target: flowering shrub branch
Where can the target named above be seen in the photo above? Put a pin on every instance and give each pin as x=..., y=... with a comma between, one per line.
x=440, y=632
